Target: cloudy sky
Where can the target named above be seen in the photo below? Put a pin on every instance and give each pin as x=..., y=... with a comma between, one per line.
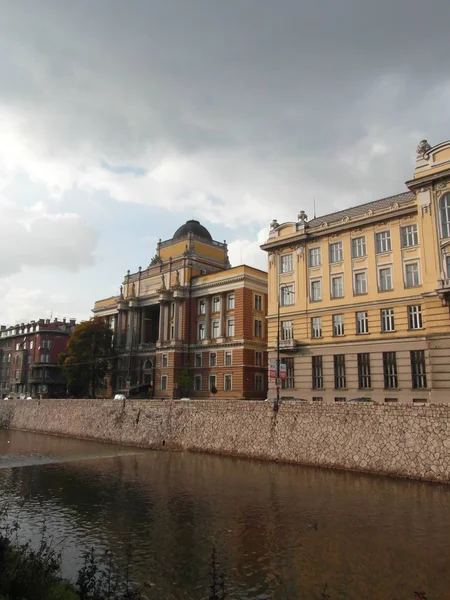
x=121, y=120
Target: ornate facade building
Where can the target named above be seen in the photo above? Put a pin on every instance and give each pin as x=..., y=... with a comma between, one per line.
x=189, y=323
x=364, y=294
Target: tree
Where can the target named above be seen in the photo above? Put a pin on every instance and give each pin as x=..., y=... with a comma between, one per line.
x=86, y=360
x=213, y=390
x=184, y=381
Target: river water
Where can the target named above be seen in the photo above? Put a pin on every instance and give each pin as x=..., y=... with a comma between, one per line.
x=280, y=531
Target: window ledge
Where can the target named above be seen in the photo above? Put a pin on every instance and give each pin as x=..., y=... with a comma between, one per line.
x=360, y=293
x=390, y=331
x=385, y=291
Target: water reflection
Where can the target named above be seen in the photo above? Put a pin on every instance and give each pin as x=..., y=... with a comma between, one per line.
x=280, y=531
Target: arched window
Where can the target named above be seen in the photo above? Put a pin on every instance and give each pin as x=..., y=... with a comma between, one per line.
x=444, y=209
x=148, y=364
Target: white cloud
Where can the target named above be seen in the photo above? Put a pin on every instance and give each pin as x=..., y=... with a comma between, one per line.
x=248, y=252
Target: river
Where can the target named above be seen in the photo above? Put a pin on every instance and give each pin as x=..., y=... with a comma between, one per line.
x=280, y=531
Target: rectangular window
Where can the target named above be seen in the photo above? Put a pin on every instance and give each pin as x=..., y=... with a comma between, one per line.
x=340, y=399
x=227, y=383
x=287, y=296
x=359, y=247
x=418, y=370
x=201, y=331
x=212, y=382
x=18, y=347
x=337, y=286
x=315, y=257
x=288, y=383
x=216, y=304
x=286, y=263
x=258, y=359
x=316, y=327
x=364, y=379
x=387, y=320
x=258, y=302
x=409, y=236
x=215, y=329
x=412, y=277
x=230, y=328
x=339, y=371
x=17, y=374
x=360, y=282
x=259, y=383
x=336, y=252
x=316, y=290
x=164, y=360
x=338, y=324
x=42, y=358
x=31, y=345
x=390, y=370
x=164, y=382
x=201, y=307
x=230, y=302
x=228, y=358
x=362, y=322
x=415, y=317
x=198, y=359
x=447, y=266
x=212, y=359
x=287, y=330
x=317, y=373
x=172, y=332
x=24, y=345
x=172, y=310
x=9, y=358
x=384, y=279
x=258, y=329
x=197, y=383
x=383, y=241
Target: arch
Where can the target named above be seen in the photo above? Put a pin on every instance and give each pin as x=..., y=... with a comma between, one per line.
x=148, y=364
x=444, y=214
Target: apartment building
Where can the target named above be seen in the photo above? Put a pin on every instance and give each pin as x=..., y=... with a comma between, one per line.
x=364, y=295
x=190, y=323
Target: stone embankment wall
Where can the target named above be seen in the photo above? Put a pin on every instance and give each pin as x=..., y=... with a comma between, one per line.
x=405, y=441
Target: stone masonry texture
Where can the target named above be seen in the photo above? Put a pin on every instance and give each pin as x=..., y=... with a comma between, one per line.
x=403, y=441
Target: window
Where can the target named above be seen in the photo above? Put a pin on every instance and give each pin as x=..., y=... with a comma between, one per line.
x=172, y=310
x=230, y=302
x=316, y=290
x=359, y=247
x=415, y=317
x=362, y=322
x=287, y=295
x=258, y=359
x=360, y=282
x=316, y=327
x=258, y=302
x=390, y=370
x=172, y=332
x=412, y=274
x=317, y=398
x=317, y=373
x=338, y=324
x=212, y=382
x=24, y=345
x=216, y=304
x=409, y=236
x=30, y=358
x=444, y=210
x=201, y=307
x=31, y=345
x=364, y=379
x=212, y=359
x=447, y=266
x=337, y=286
x=198, y=359
x=215, y=329
x=383, y=241
x=288, y=383
x=387, y=320
x=286, y=263
x=42, y=358
x=418, y=370
x=258, y=328
x=259, y=383
x=340, y=399
x=197, y=383
x=17, y=374
x=164, y=361
x=18, y=347
x=227, y=383
x=230, y=328
x=164, y=382
x=9, y=357
x=384, y=279
x=336, y=252
x=315, y=257
x=339, y=371
x=287, y=330
x=201, y=331
x=228, y=358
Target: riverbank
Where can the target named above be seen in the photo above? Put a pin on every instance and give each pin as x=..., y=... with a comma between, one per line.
x=403, y=441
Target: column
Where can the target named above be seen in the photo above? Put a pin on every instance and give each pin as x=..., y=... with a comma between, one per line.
x=176, y=320
x=207, y=317
x=142, y=334
x=161, y=323
x=130, y=339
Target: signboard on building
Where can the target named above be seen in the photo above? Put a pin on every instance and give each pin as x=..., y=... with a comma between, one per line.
x=273, y=369
x=282, y=370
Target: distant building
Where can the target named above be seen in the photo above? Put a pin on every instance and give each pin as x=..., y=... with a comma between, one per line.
x=364, y=295
x=189, y=320
x=28, y=357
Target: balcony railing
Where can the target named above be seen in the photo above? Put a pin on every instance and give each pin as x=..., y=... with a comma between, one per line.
x=443, y=290
x=288, y=344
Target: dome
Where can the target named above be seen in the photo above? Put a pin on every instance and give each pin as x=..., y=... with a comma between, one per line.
x=193, y=227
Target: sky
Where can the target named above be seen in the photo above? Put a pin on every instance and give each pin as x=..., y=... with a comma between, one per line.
x=121, y=120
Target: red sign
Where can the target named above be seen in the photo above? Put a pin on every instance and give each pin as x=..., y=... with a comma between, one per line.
x=273, y=369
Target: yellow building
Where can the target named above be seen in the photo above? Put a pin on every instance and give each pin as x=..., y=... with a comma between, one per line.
x=364, y=295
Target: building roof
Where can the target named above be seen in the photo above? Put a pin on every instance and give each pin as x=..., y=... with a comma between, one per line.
x=361, y=209
x=194, y=227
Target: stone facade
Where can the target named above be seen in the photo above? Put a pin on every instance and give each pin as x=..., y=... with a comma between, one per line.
x=399, y=440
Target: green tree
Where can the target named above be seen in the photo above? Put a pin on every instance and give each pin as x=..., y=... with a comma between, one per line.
x=184, y=381
x=86, y=360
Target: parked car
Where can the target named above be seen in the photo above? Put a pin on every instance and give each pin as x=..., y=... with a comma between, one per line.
x=120, y=397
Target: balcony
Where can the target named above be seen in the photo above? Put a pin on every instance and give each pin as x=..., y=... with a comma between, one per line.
x=443, y=291
x=288, y=344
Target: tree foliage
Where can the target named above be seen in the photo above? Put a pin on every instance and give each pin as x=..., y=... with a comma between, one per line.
x=86, y=360
x=184, y=381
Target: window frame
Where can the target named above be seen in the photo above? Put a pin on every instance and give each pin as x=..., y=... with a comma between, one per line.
x=289, y=382
x=418, y=370
x=216, y=304
x=333, y=278
x=164, y=383
x=360, y=320
x=412, y=263
x=338, y=327
x=286, y=263
x=164, y=360
x=198, y=376
x=318, y=329
x=340, y=376
x=212, y=362
x=407, y=236
x=444, y=211
x=258, y=303
x=317, y=372
x=415, y=317
x=198, y=364
x=315, y=253
x=383, y=244
x=364, y=374
x=286, y=292
x=259, y=355
x=202, y=306
x=390, y=370
x=226, y=354
x=201, y=332
x=387, y=268
x=357, y=273
x=215, y=329
x=335, y=252
x=230, y=328
x=258, y=329
x=227, y=377
x=230, y=301
x=312, y=281
x=355, y=246
x=387, y=317
x=287, y=330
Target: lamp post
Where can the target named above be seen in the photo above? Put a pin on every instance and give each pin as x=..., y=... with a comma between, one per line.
x=280, y=287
